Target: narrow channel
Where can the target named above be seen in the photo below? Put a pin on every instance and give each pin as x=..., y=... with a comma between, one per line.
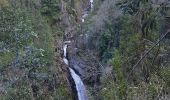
x=80, y=88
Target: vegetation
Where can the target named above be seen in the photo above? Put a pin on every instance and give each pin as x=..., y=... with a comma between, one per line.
x=122, y=49
x=27, y=51
x=137, y=68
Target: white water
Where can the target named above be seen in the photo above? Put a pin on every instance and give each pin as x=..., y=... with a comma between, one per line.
x=81, y=91
x=91, y=4
x=86, y=14
x=65, y=50
x=65, y=61
x=82, y=20
x=67, y=42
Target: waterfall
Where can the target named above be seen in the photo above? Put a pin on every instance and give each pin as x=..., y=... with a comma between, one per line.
x=65, y=61
x=85, y=14
x=65, y=50
x=81, y=91
x=80, y=88
x=91, y=4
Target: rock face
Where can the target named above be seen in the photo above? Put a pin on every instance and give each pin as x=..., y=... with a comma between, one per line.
x=84, y=62
x=78, y=56
x=43, y=76
x=80, y=52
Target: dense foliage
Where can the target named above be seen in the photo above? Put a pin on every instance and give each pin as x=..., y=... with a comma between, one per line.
x=27, y=69
x=139, y=71
x=125, y=44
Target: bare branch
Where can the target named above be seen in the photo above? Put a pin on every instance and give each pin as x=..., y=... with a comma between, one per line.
x=147, y=53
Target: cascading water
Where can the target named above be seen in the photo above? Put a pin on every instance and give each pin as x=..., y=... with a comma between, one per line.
x=91, y=4
x=65, y=50
x=81, y=91
x=86, y=14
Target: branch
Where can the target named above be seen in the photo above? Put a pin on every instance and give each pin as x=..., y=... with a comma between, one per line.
x=148, y=52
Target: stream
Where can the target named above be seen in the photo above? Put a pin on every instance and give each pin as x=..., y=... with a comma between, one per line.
x=80, y=88
x=86, y=14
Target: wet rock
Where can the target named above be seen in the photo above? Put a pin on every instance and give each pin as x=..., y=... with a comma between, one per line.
x=84, y=64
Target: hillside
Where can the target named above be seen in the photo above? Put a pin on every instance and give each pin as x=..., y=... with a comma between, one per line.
x=31, y=66
x=84, y=50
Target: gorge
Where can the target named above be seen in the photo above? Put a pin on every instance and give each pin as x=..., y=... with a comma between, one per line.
x=84, y=50
x=80, y=88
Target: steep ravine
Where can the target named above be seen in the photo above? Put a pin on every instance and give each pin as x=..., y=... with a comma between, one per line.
x=80, y=88
x=76, y=72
